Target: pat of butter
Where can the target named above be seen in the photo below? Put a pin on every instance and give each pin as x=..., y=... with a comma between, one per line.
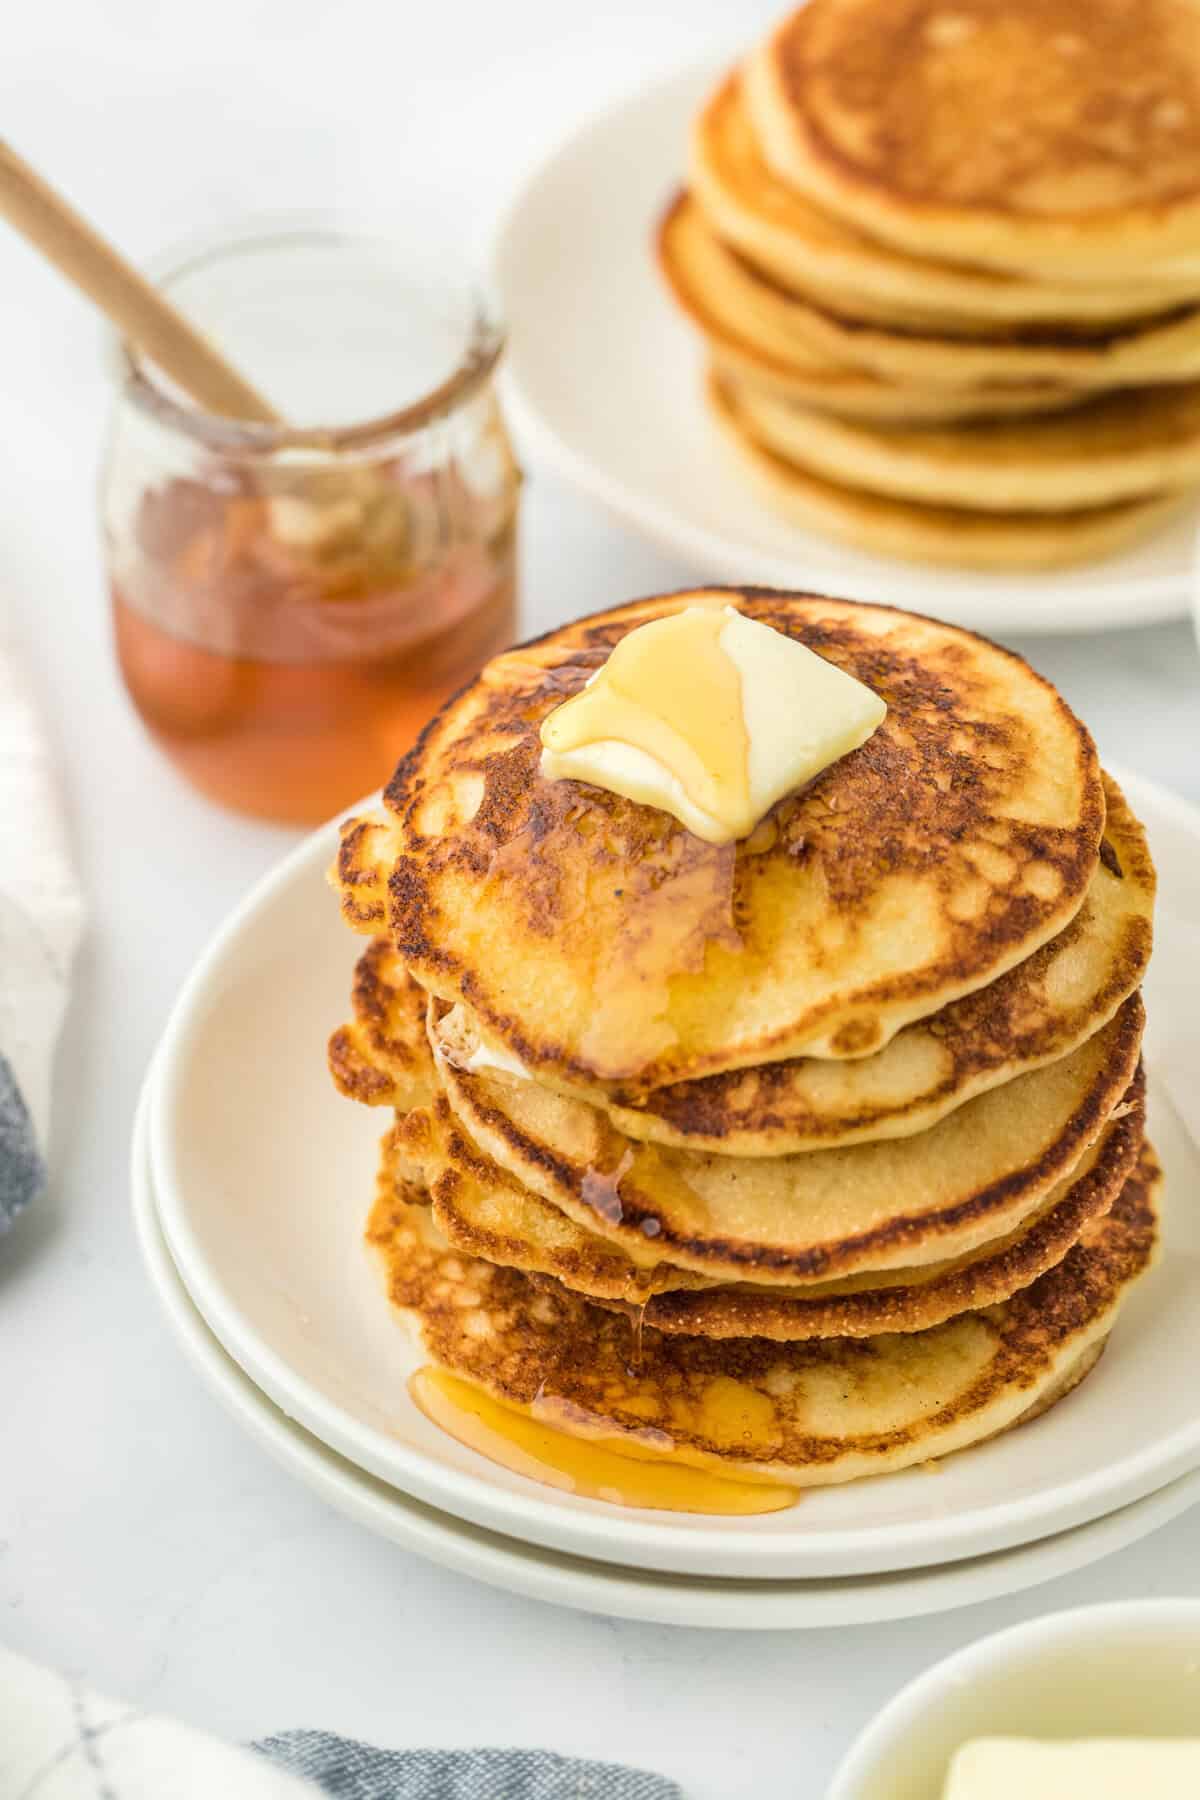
x=1084, y=1769
x=486, y=1059
x=710, y=716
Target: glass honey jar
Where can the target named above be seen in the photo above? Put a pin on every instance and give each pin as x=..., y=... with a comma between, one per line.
x=291, y=602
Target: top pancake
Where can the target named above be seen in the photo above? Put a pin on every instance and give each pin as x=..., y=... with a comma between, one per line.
x=791, y=239
x=1041, y=1010
x=1027, y=135
x=605, y=945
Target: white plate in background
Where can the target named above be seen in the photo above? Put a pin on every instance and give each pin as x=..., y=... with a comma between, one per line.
x=264, y=1177
x=603, y=381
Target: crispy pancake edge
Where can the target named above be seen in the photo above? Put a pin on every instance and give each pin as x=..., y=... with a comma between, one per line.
x=652, y=1294
x=994, y=1208
x=1040, y=1337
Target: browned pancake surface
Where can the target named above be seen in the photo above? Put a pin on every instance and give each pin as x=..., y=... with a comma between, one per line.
x=485, y=1213
x=1041, y=1010
x=819, y=1411
x=821, y=1213
x=602, y=943
x=812, y=251
x=1036, y=107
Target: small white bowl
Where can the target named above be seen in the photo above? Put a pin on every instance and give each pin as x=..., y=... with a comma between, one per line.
x=1126, y=1670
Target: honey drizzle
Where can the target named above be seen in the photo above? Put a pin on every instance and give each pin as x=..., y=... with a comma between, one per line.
x=642, y=1476
x=680, y=905
x=639, y=1334
x=670, y=691
x=601, y=1188
x=677, y=906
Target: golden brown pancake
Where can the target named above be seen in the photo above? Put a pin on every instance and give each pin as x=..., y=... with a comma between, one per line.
x=483, y=1212
x=753, y=339
x=602, y=943
x=1040, y=1010
x=382, y=1057
x=961, y=537
x=480, y=1209
x=821, y=1411
x=781, y=324
x=779, y=1220
x=366, y=848
x=1030, y=135
x=811, y=251
x=804, y=379
x=1124, y=446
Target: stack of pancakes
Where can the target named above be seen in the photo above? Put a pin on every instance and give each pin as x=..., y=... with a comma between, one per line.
x=803, y=1158
x=946, y=263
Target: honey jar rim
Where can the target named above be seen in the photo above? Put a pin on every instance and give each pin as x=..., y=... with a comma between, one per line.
x=146, y=387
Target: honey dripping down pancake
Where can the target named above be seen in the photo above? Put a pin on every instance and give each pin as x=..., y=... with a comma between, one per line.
x=526, y=1439
x=522, y=1439
x=823, y=1213
x=602, y=944
x=1039, y=1011
x=484, y=1213
x=801, y=1415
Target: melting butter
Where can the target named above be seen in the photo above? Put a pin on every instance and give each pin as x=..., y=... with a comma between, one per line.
x=488, y=1059
x=710, y=716
x=518, y=1440
x=1080, y=1769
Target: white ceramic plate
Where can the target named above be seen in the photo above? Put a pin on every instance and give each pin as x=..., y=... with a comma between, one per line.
x=603, y=1587
x=264, y=1176
x=603, y=382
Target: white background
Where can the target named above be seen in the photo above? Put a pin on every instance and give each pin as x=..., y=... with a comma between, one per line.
x=143, y=1542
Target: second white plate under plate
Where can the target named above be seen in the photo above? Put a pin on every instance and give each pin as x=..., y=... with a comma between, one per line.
x=605, y=1587
x=264, y=1177
x=603, y=379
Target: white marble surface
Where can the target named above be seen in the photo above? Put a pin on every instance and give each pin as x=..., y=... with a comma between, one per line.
x=143, y=1541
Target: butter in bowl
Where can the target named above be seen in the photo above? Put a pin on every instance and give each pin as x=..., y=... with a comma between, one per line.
x=1102, y=1702
x=1100, y=1768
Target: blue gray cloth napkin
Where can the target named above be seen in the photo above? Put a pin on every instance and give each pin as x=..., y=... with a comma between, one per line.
x=353, y=1771
x=40, y=919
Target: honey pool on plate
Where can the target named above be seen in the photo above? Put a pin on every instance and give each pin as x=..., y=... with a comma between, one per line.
x=528, y=1444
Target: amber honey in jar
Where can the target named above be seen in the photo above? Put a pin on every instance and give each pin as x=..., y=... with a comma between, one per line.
x=292, y=602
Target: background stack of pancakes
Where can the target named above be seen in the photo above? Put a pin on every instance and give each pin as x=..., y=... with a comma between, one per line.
x=946, y=262
x=807, y=1157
